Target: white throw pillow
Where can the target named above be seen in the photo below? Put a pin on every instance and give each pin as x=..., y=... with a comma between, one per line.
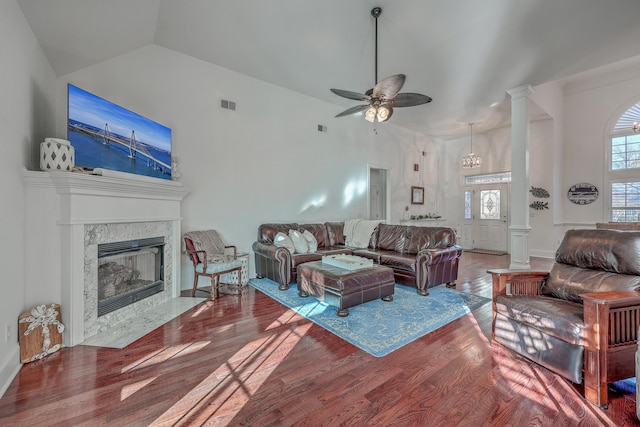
x=284, y=241
x=299, y=242
x=311, y=240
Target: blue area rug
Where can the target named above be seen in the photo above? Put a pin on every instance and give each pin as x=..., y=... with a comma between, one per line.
x=380, y=327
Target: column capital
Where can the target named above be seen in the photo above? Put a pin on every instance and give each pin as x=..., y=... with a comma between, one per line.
x=523, y=91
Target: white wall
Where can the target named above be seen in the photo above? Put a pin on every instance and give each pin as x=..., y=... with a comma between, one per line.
x=26, y=115
x=264, y=162
x=592, y=107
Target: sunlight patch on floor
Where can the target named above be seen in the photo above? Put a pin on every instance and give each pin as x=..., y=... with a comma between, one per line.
x=130, y=389
x=226, y=390
x=165, y=354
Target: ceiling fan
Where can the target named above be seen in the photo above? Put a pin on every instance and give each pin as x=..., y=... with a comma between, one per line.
x=384, y=95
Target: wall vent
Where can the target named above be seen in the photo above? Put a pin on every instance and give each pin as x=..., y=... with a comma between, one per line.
x=229, y=105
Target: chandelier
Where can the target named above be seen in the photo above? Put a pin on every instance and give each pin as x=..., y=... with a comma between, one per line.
x=636, y=127
x=471, y=160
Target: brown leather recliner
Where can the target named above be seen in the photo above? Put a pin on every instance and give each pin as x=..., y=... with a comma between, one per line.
x=581, y=319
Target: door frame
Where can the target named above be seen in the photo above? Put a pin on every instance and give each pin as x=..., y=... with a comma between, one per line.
x=468, y=226
x=385, y=188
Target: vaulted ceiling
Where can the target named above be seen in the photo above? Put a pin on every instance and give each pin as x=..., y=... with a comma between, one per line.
x=463, y=53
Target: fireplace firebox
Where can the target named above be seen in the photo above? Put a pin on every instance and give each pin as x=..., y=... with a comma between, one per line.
x=128, y=272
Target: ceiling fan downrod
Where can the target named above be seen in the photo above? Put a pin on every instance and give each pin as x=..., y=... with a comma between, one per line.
x=376, y=12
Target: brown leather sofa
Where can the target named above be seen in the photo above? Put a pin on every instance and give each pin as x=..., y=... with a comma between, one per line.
x=581, y=319
x=422, y=257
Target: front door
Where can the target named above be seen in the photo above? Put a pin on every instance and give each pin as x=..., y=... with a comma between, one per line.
x=487, y=228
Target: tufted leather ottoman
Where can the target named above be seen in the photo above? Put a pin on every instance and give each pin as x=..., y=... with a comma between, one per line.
x=345, y=288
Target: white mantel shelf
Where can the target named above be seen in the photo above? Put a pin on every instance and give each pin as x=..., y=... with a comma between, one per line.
x=95, y=199
x=117, y=184
x=62, y=206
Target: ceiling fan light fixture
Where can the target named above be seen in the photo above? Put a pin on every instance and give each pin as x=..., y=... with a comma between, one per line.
x=384, y=95
x=370, y=114
x=384, y=113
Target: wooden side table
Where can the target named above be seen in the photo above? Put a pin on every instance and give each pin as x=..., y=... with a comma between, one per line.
x=230, y=280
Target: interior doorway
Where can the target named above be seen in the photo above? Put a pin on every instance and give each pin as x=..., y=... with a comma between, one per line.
x=486, y=218
x=378, y=200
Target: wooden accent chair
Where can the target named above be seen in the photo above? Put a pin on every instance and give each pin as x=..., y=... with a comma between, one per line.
x=581, y=319
x=211, y=258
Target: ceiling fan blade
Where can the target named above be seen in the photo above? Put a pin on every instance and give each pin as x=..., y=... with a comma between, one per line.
x=353, y=110
x=389, y=87
x=351, y=95
x=410, y=99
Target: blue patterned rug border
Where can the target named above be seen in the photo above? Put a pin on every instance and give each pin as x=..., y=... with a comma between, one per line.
x=380, y=327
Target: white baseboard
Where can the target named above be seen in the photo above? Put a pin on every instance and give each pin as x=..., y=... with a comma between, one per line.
x=9, y=369
x=543, y=254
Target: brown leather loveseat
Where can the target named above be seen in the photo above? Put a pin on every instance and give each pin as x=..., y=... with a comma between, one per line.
x=581, y=319
x=422, y=257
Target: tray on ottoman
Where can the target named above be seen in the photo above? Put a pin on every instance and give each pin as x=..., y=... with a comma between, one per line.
x=343, y=288
x=348, y=262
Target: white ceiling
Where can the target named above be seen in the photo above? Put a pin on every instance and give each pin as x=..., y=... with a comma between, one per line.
x=463, y=53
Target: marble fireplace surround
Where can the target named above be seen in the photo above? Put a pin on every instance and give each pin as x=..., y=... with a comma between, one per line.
x=68, y=215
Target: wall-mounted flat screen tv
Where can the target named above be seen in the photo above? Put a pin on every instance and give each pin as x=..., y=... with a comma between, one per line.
x=105, y=135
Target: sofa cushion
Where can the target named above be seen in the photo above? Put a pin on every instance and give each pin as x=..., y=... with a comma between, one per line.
x=398, y=261
x=311, y=240
x=369, y=254
x=559, y=318
x=610, y=250
x=390, y=238
x=267, y=232
x=319, y=232
x=299, y=242
x=283, y=240
x=335, y=233
x=568, y=282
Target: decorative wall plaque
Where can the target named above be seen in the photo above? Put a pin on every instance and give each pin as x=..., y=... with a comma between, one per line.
x=583, y=193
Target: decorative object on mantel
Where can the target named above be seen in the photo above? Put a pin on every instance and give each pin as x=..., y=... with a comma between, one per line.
x=583, y=193
x=57, y=154
x=539, y=192
x=417, y=195
x=538, y=205
x=471, y=160
x=34, y=346
x=175, y=173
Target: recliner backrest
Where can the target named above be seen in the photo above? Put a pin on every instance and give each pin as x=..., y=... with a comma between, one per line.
x=609, y=250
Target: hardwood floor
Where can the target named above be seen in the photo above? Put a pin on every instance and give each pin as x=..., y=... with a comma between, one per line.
x=247, y=360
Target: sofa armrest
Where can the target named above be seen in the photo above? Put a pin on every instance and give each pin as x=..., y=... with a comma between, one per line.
x=271, y=251
x=273, y=262
x=437, y=256
x=612, y=319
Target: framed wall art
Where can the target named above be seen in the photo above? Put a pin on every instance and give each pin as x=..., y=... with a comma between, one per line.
x=417, y=195
x=583, y=193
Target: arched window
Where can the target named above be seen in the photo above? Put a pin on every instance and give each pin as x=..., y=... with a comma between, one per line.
x=624, y=167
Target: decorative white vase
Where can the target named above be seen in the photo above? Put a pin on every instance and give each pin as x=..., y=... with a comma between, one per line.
x=55, y=155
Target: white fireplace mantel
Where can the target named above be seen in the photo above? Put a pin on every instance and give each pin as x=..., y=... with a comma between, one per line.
x=61, y=204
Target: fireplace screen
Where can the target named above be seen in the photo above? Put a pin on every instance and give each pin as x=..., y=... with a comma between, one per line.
x=129, y=272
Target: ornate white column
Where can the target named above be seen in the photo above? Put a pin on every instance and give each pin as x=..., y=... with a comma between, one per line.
x=520, y=228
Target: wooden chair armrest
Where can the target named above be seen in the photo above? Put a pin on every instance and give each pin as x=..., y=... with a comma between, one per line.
x=235, y=250
x=196, y=252
x=519, y=282
x=612, y=319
